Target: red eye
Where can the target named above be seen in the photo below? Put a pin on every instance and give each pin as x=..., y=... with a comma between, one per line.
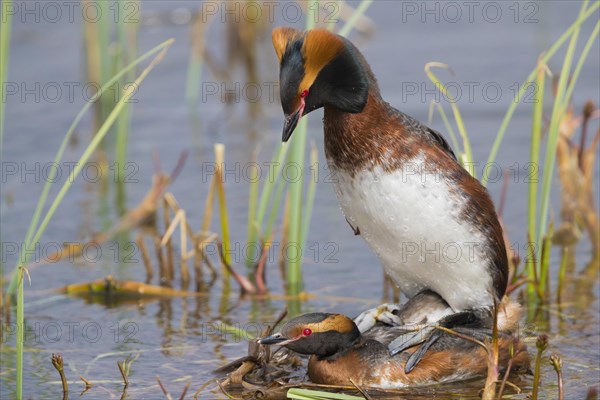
x=307, y=332
x=303, y=95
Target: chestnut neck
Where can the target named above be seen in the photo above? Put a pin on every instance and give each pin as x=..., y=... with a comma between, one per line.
x=373, y=137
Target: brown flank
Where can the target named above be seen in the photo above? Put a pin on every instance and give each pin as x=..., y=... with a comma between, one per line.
x=435, y=367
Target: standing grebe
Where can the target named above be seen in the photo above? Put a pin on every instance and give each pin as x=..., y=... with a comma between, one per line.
x=400, y=187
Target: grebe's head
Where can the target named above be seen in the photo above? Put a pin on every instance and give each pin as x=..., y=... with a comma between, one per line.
x=317, y=68
x=321, y=334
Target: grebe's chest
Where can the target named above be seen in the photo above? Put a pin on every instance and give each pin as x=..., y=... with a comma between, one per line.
x=413, y=221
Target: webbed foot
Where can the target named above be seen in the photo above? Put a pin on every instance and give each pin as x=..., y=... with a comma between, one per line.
x=385, y=313
x=428, y=335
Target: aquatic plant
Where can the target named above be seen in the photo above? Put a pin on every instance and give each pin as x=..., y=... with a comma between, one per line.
x=37, y=227
x=539, y=233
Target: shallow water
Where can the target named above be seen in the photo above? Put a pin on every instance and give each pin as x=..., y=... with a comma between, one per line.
x=179, y=338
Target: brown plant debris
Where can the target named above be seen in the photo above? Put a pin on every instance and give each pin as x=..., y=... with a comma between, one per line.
x=57, y=363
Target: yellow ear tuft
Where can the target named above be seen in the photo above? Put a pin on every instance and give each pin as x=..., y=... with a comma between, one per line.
x=335, y=322
x=281, y=37
x=320, y=47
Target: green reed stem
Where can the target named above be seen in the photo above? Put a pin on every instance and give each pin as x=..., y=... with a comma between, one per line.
x=561, y=103
x=127, y=38
x=194, y=75
x=558, y=110
x=278, y=163
x=544, y=59
x=104, y=46
x=63, y=146
x=128, y=93
x=311, y=19
x=273, y=214
x=534, y=154
x=5, y=28
x=468, y=153
x=310, y=195
x=338, y=4
x=544, y=282
x=220, y=187
x=360, y=10
x=296, y=159
x=309, y=394
x=196, y=63
x=6, y=18
x=25, y=253
x=584, y=54
x=252, y=233
x=20, y=339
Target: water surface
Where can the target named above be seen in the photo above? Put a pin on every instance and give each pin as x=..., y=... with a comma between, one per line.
x=178, y=339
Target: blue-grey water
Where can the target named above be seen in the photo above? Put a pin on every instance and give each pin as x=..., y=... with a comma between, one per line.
x=491, y=48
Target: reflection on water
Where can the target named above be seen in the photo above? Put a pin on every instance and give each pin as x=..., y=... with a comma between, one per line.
x=183, y=339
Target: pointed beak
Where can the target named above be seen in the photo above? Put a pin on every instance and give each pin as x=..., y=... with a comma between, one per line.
x=277, y=338
x=291, y=121
x=290, y=124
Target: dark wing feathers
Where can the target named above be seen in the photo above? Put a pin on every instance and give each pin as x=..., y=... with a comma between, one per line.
x=441, y=141
x=417, y=127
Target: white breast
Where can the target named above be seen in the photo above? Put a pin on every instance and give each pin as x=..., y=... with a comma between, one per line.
x=411, y=220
